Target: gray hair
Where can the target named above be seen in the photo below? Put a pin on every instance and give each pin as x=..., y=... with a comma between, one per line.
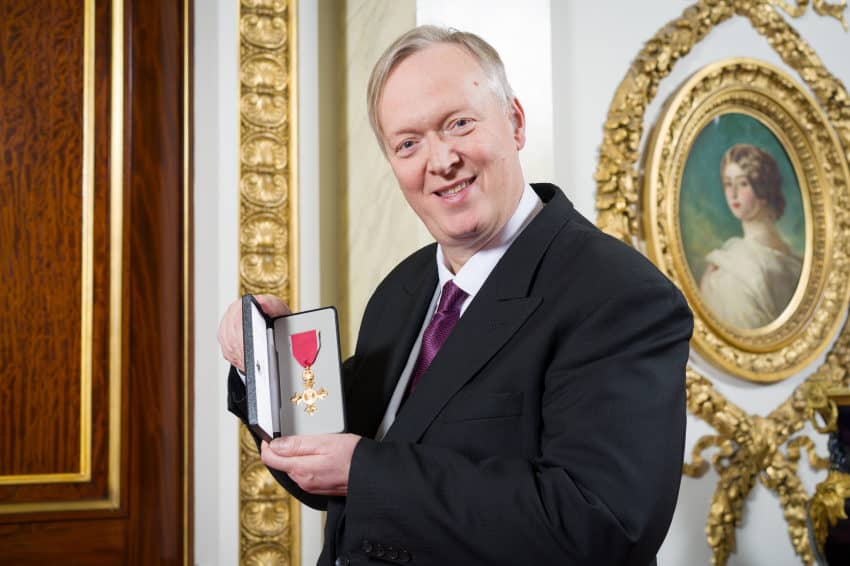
x=422, y=37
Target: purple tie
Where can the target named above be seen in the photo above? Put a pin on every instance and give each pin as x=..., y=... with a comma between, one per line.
x=444, y=319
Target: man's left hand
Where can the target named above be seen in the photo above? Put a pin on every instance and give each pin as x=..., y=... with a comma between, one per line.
x=319, y=463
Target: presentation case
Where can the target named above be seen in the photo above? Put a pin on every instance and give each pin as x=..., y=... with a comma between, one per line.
x=293, y=373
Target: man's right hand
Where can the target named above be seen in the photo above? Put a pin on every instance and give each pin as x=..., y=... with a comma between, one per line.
x=230, y=328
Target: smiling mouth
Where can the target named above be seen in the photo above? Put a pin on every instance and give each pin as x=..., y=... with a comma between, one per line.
x=456, y=189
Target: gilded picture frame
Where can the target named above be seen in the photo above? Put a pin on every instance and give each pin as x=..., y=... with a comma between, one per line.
x=737, y=211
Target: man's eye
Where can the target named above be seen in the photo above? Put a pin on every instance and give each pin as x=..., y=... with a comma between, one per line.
x=405, y=146
x=461, y=125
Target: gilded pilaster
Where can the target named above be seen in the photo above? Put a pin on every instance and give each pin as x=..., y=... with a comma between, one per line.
x=269, y=530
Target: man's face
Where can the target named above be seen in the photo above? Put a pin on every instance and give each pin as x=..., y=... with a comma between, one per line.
x=452, y=146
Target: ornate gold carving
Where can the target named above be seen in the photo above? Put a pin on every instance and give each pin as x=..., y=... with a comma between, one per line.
x=749, y=447
x=263, y=232
x=264, y=109
x=263, y=271
x=264, y=31
x=265, y=518
x=828, y=504
x=273, y=6
x=264, y=151
x=750, y=450
x=264, y=73
x=266, y=555
x=264, y=189
x=268, y=516
x=835, y=10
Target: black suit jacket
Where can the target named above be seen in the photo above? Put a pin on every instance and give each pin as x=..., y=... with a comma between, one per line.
x=550, y=427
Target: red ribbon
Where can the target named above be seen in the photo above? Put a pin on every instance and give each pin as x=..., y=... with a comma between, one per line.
x=305, y=347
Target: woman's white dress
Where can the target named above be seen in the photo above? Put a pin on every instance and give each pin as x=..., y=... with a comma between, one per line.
x=748, y=284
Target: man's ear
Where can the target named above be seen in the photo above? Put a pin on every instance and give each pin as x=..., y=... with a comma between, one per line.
x=517, y=117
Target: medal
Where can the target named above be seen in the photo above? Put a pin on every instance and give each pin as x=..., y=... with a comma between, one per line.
x=305, y=348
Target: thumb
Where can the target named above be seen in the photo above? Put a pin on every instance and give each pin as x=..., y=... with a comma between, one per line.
x=272, y=305
x=292, y=446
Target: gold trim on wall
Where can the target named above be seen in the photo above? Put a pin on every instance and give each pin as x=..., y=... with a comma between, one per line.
x=269, y=518
x=116, y=246
x=750, y=448
x=87, y=291
x=187, y=280
x=115, y=283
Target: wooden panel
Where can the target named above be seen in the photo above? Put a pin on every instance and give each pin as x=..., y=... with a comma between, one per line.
x=135, y=507
x=157, y=302
x=59, y=543
x=54, y=381
x=41, y=212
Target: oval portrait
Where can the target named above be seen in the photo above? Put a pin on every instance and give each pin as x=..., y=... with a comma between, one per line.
x=737, y=211
x=742, y=221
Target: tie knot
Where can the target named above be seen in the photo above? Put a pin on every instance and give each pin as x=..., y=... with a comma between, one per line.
x=451, y=298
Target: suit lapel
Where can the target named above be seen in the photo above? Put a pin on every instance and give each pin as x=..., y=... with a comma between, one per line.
x=400, y=321
x=499, y=309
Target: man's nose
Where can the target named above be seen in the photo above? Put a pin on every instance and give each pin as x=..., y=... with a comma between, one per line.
x=442, y=156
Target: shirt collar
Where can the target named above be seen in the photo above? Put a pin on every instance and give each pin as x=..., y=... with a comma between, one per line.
x=477, y=268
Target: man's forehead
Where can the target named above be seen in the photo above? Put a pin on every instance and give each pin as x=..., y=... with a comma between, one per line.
x=429, y=80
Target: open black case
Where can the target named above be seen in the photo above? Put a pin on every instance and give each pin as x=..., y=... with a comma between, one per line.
x=284, y=395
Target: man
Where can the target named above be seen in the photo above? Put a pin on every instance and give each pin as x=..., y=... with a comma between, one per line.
x=517, y=391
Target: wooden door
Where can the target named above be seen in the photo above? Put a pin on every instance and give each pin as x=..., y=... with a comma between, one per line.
x=94, y=282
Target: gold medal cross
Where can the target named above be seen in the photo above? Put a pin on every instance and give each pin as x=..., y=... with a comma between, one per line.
x=309, y=396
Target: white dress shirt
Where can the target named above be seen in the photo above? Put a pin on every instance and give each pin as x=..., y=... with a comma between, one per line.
x=470, y=278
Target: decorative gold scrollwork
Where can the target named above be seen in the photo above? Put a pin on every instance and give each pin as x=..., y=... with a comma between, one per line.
x=748, y=447
x=266, y=190
x=262, y=30
x=827, y=505
x=821, y=7
x=266, y=555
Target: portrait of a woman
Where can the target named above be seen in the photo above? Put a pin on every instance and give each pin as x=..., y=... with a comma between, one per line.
x=750, y=280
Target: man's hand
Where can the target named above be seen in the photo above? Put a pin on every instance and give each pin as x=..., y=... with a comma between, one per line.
x=319, y=463
x=230, y=328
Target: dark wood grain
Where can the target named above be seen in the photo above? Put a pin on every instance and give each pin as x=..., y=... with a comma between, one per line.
x=40, y=177
x=156, y=301
x=41, y=63
x=59, y=543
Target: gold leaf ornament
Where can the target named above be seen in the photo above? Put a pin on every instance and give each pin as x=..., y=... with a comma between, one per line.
x=265, y=152
x=827, y=506
x=266, y=555
x=265, y=518
x=261, y=30
x=264, y=189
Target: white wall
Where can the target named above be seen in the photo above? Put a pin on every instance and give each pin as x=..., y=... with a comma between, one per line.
x=309, y=178
x=216, y=203
x=522, y=38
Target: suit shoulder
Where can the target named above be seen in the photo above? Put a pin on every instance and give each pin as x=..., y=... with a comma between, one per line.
x=586, y=253
x=404, y=275
x=410, y=268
